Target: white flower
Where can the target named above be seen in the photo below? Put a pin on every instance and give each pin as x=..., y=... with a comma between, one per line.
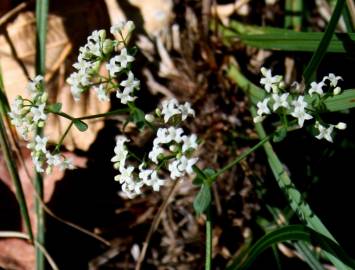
x=131, y=83
x=270, y=82
x=17, y=105
x=325, y=133
x=262, y=107
x=181, y=166
x=162, y=137
x=38, y=113
x=186, y=110
x=53, y=160
x=124, y=58
x=40, y=144
x=169, y=109
x=126, y=175
x=113, y=66
x=301, y=115
x=316, y=88
x=299, y=104
x=333, y=79
x=144, y=175
x=190, y=142
x=38, y=164
x=174, y=134
x=33, y=86
x=280, y=101
x=102, y=95
x=155, y=181
x=67, y=163
x=117, y=28
x=125, y=96
x=154, y=154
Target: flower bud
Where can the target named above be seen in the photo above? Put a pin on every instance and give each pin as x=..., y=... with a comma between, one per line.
x=102, y=34
x=158, y=112
x=44, y=97
x=263, y=71
x=173, y=148
x=258, y=119
x=336, y=91
x=149, y=118
x=282, y=85
x=40, y=124
x=130, y=26
x=341, y=126
x=107, y=46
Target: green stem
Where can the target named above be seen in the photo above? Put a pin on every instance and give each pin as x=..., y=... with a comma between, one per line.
x=208, y=259
x=242, y=156
x=114, y=112
x=63, y=137
x=11, y=165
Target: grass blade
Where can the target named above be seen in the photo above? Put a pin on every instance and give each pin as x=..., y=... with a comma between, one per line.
x=324, y=43
x=273, y=38
x=292, y=233
x=41, y=26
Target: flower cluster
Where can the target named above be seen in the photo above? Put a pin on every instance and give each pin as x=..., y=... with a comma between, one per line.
x=95, y=53
x=29, y=114
x=301, y=107
x=172, y=151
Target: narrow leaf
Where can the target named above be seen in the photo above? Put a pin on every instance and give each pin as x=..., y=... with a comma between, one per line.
x=203, y=199
x=80, y=125
x=291, y=233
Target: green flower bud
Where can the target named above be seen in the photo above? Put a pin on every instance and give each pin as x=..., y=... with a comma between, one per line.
x=108, y=46
x=102, y=34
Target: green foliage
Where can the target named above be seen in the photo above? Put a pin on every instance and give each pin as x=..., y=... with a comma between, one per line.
x=80, y=125
x=55, y=108
x=202, y=199
x=291, y=233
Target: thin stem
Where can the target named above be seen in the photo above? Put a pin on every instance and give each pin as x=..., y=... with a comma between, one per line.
x=242, y=156
x=63, y=137
x=114, y=112
x=208, y=259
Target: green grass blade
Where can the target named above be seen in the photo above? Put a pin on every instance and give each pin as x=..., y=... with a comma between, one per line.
x=296, y=201
x=293, y=14
x=324, y=43
x=273, y=38
x=292, y=233
x=41, y=26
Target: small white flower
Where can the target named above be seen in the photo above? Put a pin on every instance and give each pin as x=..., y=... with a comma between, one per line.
x=280, y=101
x=125, y=96
x=262, y=107
x=67, y=164
x=301, y=115
x=174, y=170
x=126, y=175
x=325, y=133
x=186, y=110
x=270, y=82
x=38, y=113
x=40, y=144
x=333, y=79
x=174, y=134
x=33, y=86
x=169, y=109
x=124, y=58
x=130, y=84
x=38, y=164
x=154, y=154
x=181, y=166
x=299, y=104
x=113, y=66
x=155, y=181
x=316, y=88
x=190, y=142
x=102, y=95
x=117, y=28
x=53, y=160
x=144, y=175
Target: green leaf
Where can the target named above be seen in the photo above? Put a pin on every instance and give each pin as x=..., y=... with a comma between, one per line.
x=273, y=38
x=80, y=125
x=280, y=134
x=208, y=173
x=137, y=116
x=203, y=199
x=324, y=43
x=344, y=101
x=291, y=233
x=56, y=107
